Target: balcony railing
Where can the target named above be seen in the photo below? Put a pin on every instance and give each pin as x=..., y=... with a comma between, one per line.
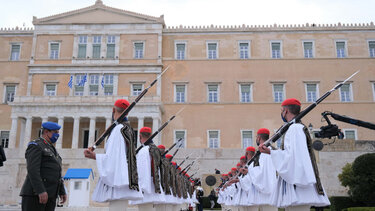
x=24, y=100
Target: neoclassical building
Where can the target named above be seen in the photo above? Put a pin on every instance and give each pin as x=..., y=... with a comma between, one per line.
x=230, y=80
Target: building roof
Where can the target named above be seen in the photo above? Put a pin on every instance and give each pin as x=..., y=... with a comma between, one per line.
x=98, y=14
x=72, y=173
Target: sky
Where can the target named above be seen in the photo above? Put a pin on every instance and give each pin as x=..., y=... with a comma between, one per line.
x=204, y=12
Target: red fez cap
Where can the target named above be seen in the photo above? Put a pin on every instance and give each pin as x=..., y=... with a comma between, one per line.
x=183, y=172
x=238, y=164
x=169, y=156
x=161, y=146
x=187, y=175
x=263, y=131
x=145, y=130
x=122, y=103
x=250, y=149
x=179, y=168
x=225, y=175
x=234, y=169
x=230, y=173
x=291, y=101
x=174, y=163
x=243, y=157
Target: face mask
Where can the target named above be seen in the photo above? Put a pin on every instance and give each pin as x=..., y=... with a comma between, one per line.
x=283, y=118
x=54, y=137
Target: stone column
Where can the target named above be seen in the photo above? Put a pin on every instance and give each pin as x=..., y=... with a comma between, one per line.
x=155, y=127
x=92, y=130
x=27, y=139
x=140, y=125
x=75, y=132
x=13, y=133
x=61, y=132
x=108, y=122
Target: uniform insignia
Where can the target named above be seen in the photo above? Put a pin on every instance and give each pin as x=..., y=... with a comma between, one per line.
x=33, y=143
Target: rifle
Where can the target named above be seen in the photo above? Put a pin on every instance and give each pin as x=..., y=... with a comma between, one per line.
x=124, y=113
x=193, y=174
x=149, y=140
x=166, y=152
x=176, y=151
x=189, y=166
x=183, y=161
x=282, y=130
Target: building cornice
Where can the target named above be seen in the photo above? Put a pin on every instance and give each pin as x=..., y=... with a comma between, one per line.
x=271, y=28
x=17, y=31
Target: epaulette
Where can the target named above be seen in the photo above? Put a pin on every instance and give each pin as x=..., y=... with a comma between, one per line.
x=33, y=143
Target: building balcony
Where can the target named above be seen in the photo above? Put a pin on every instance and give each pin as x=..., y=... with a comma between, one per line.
x=80, y=100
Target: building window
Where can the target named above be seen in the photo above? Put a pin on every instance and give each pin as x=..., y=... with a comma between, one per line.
x=213, y=93
x=108, y=84
x=278, y=93
x=308, y=49
x=5, y=139
x=96, y=44
x=77, y=185
x=212, y=50
x=373, y=90
x=79, y=85
x=111, y=40
x=94, y=84
x=180, y=134
x=138, y=50
x=371, y=47
x=311, y=92
x=276, y=50
x=346, y=93
x=137, y=89
x=341, y=49
x=82, y=45
x=213, y=139
x=10, y=92
x=54, y=50
x=350, y=134
x=180, y=93
x=50, y=89
x=244, y=50
x=15, y=52
x=247, y=138
x=180, y=51
x=245, y=95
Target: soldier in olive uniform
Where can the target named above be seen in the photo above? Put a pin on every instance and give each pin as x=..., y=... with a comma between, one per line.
x=43, y=183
